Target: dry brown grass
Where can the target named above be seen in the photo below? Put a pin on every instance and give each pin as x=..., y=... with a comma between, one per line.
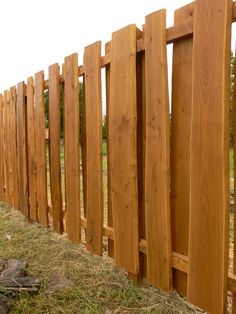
x=73, y=280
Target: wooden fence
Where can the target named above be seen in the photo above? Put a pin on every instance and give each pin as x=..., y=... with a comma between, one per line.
x=167, y=217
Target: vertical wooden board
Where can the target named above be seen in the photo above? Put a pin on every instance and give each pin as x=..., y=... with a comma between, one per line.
x=22, y=149
x=72, y=157
x=31, y=150
x=123, y=148
x=2, y=181
x=54, y=146
x=234, y=154
x=41, y=164
x=7, y=154
x=109, y=208
x=209, y=158
x=93, y=148
x=180, y=146
x=141, y=118
x=13, y=143
x=157, y=155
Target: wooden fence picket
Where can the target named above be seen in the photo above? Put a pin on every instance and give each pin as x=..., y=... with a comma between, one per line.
x=7, y=147
x=54, y=146
x=2, y=179
x=93, y=148
x=209, y=158
x=41, y=164
x=31, y=150
x=72, y=156
x=109, y=208
x=123, y=148
x=157, y=154
x=22, y=149
x=180, y=144
x=13, y=143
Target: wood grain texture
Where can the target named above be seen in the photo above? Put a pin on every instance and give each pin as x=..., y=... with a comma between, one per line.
x=2, y=179
x=31, y=150
x=234, y=150
x=109, y=208
x=72, y=157
x=209, y=158
x=123, y=148
x=93, y=148
x=180, y=146
x=141, y=118
x=22, y=149
x=41, y=164
x=54, y=146
x=157, y=154
x=7, y=149
x=13, y=143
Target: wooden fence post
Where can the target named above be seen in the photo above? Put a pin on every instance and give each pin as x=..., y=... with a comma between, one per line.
x=209, y=157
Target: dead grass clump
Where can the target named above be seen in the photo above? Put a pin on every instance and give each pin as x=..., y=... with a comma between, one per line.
x=73, y=280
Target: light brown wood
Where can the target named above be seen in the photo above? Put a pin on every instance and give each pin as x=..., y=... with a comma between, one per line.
x=234, y=157
x=209, y=158
x=109, y=208
x=7, y=148
x=54, y=146
x=180, y=146
x=41, y=163
x=2, y=180
x=31, y=150
x=72, y=157
x=13, y=143
x=22, y=149
x=93, y=148
x=123, y=148
x=141, y=116
x=157, y=154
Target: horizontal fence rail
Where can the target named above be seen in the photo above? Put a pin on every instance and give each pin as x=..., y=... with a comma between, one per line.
x=157, y=196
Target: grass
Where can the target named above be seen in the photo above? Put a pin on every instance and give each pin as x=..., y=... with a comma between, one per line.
x=73, y=280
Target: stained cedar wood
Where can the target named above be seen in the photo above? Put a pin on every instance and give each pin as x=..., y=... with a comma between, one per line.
x=22, y=149
x=72, y=158
x=157, y=154
x=83, y=145
x=141, y=108
x=109, y=208
x=123, y=148
x=93, y=148
x=209, y=158
x=234, y=150
x=180, y=145
x=31, y=150
x=41, y=165
x=2, y=181
x=13, y=141
x=7, y=147
x=54, y=146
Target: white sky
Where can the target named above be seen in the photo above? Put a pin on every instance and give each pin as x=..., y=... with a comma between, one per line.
x=37, y=33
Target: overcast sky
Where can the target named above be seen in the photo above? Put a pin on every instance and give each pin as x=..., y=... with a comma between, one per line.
x=37, y=33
